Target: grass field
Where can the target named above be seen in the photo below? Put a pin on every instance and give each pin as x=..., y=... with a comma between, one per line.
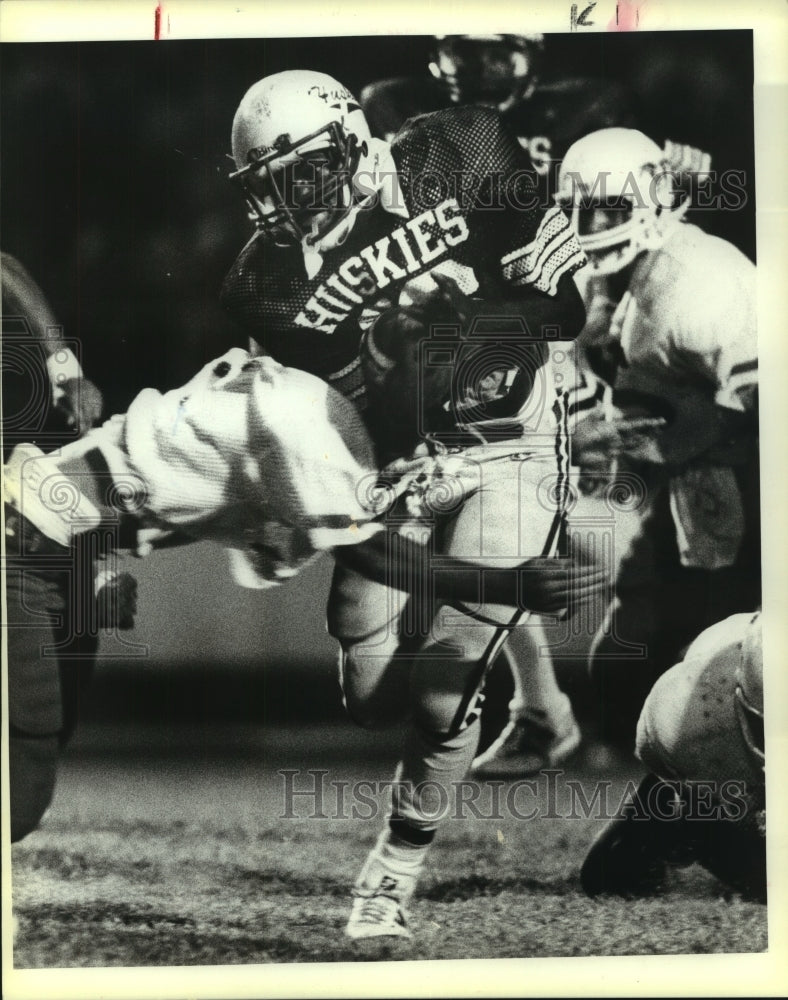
x=180, y=855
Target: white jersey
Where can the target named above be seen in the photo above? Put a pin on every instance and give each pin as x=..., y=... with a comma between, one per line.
x=269, y=461
x=686, y=330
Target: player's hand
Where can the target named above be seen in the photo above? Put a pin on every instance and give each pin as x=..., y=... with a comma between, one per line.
x=81, y=403
x=556, y=587
x=150, y=539
x=116, y=600
x=452, y=300
x=399, y=329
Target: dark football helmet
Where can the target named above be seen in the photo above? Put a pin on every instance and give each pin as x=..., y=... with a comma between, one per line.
x=488, y=69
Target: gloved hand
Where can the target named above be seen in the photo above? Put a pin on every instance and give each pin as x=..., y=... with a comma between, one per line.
x=116, y=599
x=81, y=403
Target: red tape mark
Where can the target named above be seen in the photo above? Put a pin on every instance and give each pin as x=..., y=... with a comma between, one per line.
x=627, y=15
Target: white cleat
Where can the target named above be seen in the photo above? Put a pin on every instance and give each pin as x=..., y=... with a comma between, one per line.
x=377, y=916
x=379, y=898
x=529, y=743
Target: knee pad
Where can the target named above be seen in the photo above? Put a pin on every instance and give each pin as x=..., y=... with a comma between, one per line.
x=374, y=689
x=446, y=696
x=359, y=608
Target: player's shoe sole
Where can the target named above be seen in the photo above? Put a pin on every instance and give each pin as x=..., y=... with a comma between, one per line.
x=527, y=745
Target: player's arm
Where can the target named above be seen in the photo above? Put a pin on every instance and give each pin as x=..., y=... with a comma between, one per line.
x=560, y=310
x=537, y=249
x=76, y=396
x=388, y=104
x=719, y=341
x=544, y=586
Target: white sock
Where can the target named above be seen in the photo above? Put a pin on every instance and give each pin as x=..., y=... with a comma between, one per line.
x=400, y=855
x=535, y=686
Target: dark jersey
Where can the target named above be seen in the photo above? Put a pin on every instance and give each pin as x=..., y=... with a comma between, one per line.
x=546, y=124
x=462, y=204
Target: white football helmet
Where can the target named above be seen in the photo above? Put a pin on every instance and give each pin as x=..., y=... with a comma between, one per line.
x=620, y=193
x=490, y=69
x=749, y=687
x=300, y=142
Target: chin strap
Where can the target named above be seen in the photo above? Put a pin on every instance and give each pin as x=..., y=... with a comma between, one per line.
x=376, y=179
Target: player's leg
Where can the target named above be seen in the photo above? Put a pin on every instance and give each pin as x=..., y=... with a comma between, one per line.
x=541, y=730
x=36, y=601
x=659, y=608
x=447, y=681
x=440, y=744
x=630, y=640
x=379, y=632
x=382, y=630
x=513, y=524
x=370, y=621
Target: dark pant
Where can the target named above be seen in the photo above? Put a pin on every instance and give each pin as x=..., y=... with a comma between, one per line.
x=662, y=606
x=51, y=652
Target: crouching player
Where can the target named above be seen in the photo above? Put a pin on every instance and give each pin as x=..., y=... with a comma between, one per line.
x=700, y=734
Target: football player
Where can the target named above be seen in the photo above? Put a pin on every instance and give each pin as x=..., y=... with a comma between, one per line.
x=671, y=334
x=505, y=72
x=38, y=358
x=502, y=71
x=47, y=399
x=349, y=227
x=238, y=456
x=701, y=736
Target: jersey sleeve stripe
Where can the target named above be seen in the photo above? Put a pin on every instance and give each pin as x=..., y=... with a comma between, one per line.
x=553, y=253
x=532, y=261
x=552, y=223
x=346, y=370
x=570, y=265
x=546, y=280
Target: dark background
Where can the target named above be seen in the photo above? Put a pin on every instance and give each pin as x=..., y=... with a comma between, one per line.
x=114, y=190
x=114, y=194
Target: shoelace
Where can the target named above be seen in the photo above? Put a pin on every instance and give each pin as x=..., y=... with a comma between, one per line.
x=377, y=909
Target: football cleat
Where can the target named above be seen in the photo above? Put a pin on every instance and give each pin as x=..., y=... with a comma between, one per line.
x=628, y=857
x=378, y=915
x=380, y=896
x=528, y=744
